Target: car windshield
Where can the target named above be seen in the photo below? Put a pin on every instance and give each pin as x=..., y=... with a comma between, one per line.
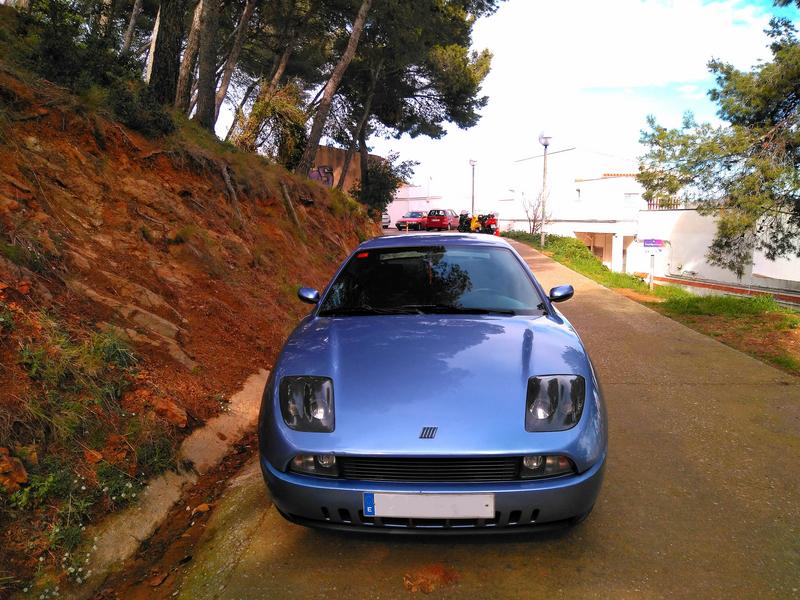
x=436, y=213
x=435, y=279
x=412, y=215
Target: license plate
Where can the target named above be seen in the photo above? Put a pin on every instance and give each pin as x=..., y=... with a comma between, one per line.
x=429, y=506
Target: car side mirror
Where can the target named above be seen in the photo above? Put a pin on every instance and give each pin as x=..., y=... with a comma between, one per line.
x=561, y=293
x=308, y=295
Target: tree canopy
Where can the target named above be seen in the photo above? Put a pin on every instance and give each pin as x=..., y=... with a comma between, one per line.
x=293, y=70
x=745, y=170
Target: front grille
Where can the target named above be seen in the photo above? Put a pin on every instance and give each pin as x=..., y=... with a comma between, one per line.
x=356, y=519
x=502, y=468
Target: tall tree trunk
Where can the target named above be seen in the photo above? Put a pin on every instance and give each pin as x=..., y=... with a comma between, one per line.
x=239, y=109
x=233, y=57
x=251, y=127
x=207, y=65
x=106, y=17
x=186, y=73
x=362, y=123
x=281, y=66
x=127, y=40
x=152, y=52
x=330, y=90
x=364, y=155
x=351, y=149
x=166, y=54
x=247, y=137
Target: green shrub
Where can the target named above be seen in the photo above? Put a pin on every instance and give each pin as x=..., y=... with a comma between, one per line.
x=50, y=479
x=119, y=488
x=574, y=254
x=786, y=361
x=53, y=39
x=28, y=253
x=7, y=323
x=721, y=305
x=156, y=454
x=133, y=104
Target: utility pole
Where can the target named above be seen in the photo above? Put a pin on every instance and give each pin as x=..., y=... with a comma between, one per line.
x=544, y=140
x=472, y=163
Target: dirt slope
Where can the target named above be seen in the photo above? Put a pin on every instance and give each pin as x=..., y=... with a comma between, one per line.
x=141, y=281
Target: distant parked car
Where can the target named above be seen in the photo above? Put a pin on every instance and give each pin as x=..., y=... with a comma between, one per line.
x=442, y=219
x=413, y=219
x=386, y=220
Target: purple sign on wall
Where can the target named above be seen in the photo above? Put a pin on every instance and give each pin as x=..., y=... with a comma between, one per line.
x=653, y=243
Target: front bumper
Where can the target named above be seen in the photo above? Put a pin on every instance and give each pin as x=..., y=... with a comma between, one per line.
x=519, y=505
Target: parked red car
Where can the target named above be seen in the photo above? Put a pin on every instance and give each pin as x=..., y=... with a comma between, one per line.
x=439, y=218
x=414, y=219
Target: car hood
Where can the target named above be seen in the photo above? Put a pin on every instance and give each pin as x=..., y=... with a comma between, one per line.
x=466, y=375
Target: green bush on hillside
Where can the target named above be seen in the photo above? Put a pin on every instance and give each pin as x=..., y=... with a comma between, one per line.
x=52, y=40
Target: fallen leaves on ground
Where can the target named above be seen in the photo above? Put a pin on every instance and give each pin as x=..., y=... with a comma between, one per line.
x=157, y=578
x=201, y=508
x=92, y=456
x=12, y=473
x=170, y=411
x=429, y=578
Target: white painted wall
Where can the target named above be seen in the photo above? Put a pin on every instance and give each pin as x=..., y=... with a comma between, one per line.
x=784, y=272
x=690, y=235
x=413, y=198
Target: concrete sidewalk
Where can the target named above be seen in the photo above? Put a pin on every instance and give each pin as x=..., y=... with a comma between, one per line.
x=701, y=497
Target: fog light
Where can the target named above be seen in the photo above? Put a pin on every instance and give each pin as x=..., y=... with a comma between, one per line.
x=532, y=462
x=309, y=464
x=535, y=466
x=326, y=461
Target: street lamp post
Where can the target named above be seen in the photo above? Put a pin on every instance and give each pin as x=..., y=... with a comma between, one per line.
x=544, y=140
x=472, y=164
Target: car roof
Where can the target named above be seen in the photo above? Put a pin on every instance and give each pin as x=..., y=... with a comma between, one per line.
x=434, y=239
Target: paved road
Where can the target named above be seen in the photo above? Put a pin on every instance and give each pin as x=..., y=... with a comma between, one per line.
x=701, y=497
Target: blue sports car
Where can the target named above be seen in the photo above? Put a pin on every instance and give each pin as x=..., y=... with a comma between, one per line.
x=434, y=387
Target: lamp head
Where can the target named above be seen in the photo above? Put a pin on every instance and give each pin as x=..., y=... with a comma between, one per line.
x=544, y=139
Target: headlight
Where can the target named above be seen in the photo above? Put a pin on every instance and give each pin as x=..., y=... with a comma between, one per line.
x=554, y=402
x=307, y=403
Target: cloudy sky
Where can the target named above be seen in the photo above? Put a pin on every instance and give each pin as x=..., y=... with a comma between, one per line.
x=589, y=73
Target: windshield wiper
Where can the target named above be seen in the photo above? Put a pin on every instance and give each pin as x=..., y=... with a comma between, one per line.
x=456, y=310
x=368, y=310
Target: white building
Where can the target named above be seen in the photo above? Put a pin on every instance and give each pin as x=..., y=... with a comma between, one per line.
x=687, y=236
x=410, y=197
x=596, y=198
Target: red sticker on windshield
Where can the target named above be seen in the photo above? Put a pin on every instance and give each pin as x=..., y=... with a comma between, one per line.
x=362, y=255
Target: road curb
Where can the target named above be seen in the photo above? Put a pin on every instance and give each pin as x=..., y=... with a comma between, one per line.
x=118, y=537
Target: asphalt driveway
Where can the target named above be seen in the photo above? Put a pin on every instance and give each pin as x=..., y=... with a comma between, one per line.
x=701, y=497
